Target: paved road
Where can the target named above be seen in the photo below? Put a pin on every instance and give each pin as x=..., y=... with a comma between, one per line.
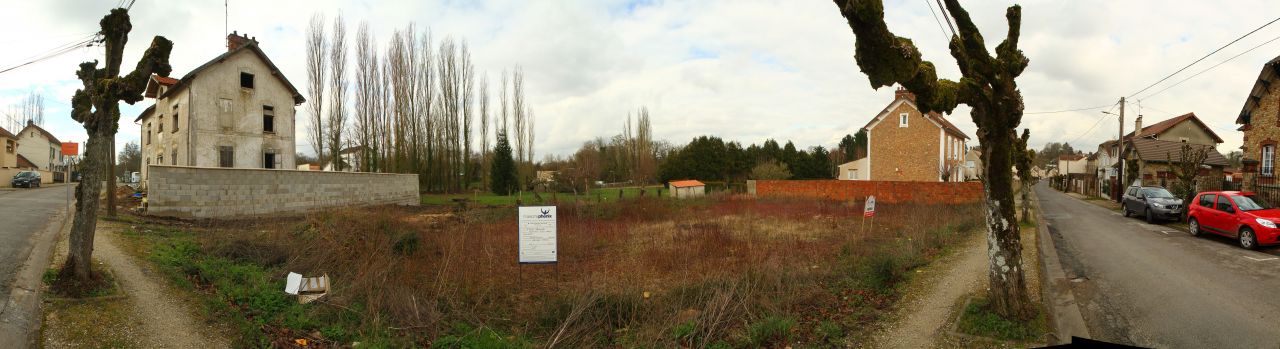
x=1153, y=286
x=23, y=212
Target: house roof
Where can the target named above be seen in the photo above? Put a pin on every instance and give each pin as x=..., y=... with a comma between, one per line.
x=1165, y=125
x=5, y=133
x=146, y=112
x=931, y=116
x=1070, y=157
x=24, y=163
x=165, y=80
x=43, y=132
x=251, y=46
x=1266, y=77
x=1155, y=150
x=350, y=150
x=686, y=183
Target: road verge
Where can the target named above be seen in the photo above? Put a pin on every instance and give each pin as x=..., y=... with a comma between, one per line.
x=21, y=317
x=1064, y=312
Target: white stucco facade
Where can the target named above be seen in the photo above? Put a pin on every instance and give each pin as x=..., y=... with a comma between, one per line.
x=211, y=119
x=39, y=148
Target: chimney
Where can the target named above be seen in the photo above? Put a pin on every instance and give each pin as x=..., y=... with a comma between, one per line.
x=903, y=93
x=1137, y=127
x=235, y=40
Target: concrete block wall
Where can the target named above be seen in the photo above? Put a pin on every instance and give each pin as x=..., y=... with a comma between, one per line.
x=884, y=191
x=205, y=192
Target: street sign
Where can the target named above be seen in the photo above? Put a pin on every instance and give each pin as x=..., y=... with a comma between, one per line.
x=537, y=234
x=870, y=209
x=70, y=148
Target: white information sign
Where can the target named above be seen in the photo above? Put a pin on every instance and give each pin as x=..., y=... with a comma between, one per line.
x=537, y=234
x=870, y=209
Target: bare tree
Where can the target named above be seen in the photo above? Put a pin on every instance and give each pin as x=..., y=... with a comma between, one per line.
x=468, y=92
x=97, y=107
x=989, y=87
x=316, y=48
x=366, y=97
x=484, y=131
x=337, y=91
x=1186, y=169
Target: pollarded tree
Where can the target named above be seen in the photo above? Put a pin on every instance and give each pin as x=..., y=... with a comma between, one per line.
x=97, y=108
x=1022, y=159
x=988, y=86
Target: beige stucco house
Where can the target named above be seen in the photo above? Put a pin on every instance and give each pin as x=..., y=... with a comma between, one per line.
x=1153, y=147
x=40, y=147
x=904, y=144
x=8, y=158
x=237, y=110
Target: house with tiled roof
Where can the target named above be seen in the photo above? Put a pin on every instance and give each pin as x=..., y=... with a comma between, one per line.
x=905, y=144
x=40, y=148
x=689, y=188
x=1157, y=148
x=237, y=110
x=1259, y=119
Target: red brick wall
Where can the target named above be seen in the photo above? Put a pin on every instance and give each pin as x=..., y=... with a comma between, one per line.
x=885, y=191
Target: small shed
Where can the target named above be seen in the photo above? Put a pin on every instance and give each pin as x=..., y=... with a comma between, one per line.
x=687, y=189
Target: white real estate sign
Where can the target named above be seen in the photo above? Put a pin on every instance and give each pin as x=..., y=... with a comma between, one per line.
x=537, y=234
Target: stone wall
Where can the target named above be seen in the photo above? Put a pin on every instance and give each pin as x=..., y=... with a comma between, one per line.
x=210, y=192
x=884, y=191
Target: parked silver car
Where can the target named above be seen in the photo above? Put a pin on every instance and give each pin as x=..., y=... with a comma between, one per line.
x=1154, y=203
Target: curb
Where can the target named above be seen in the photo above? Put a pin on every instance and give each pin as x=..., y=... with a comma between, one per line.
x=20, y=321
x=1064, y=312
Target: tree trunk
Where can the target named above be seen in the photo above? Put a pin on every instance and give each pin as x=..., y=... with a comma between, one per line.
x=80, y=243
x=1008, y=293
x=111, y=176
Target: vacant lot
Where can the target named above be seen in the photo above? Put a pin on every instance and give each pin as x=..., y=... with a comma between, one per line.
x=722, y=272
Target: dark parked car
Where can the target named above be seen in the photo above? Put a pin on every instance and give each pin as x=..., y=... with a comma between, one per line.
x=1154, y=203
x=26, y=179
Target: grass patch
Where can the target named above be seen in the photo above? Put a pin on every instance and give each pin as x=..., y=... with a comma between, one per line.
x=61, y=283
x=979, y=320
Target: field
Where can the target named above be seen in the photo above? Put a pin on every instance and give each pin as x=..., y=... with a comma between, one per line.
x=719, y=272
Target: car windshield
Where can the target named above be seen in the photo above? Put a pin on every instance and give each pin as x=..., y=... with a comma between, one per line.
x=1246, y=203
x=1156, y=193
x=25, y=175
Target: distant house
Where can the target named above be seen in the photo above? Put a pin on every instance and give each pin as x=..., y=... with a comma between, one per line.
x=973, y=164
x=546, y=176
x=1072, y=164
x=855, y=170
x=1154, y=147
x=904, y=144
x=352, y=158
x=308, y=167
x=1106, y=169
x=687, y=189
x=1259, y=119
x=40, y=148
x=236, y=110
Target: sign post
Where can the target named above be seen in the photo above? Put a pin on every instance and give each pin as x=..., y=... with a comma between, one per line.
x=869, y=211
x=537, y=234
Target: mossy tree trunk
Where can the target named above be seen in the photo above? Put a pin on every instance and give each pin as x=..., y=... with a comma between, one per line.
x=988, y=87
x=96, y=107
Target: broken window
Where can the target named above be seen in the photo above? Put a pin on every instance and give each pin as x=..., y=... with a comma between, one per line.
x=269, y=159
x=175, y=118
x=173, y=157
x=268, y=119
x=148, y=133
x=226, y=156
x=246, y=80
x=161, y=129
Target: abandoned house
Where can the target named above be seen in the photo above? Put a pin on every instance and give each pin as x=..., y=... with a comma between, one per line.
x=236, y=110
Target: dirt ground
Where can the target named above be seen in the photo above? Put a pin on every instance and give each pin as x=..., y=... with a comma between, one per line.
x=150, y=315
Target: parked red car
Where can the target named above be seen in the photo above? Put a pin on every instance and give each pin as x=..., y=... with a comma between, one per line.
x=1234, y=214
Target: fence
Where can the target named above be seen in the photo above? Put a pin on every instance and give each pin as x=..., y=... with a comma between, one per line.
x=884, y=191
x=201, y=192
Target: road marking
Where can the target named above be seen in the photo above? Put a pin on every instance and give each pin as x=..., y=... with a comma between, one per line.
x=1167, y=232
x=1261, y=259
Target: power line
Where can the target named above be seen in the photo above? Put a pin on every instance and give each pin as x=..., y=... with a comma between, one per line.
x=1095, y=124
x=939, y=21
x=57, y=51
x=1068, y=110
x=1205, y=56
x=1211, y=68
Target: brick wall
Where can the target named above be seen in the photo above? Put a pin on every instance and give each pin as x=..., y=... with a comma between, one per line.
x=203, y=192
x=884, y=191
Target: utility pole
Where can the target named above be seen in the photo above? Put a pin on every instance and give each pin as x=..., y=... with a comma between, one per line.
x=1120, y=184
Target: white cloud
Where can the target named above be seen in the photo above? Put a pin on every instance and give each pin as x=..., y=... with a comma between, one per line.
x=742, y=70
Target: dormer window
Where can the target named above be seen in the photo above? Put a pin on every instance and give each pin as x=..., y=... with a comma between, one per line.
x=246, y=80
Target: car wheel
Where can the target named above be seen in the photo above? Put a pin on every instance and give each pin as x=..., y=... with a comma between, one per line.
x=1126, y=211
x=1248, y=239
x=1194, y=227
x=1150, y=218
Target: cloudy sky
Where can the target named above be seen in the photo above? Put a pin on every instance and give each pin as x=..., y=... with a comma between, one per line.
x=741, y=70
